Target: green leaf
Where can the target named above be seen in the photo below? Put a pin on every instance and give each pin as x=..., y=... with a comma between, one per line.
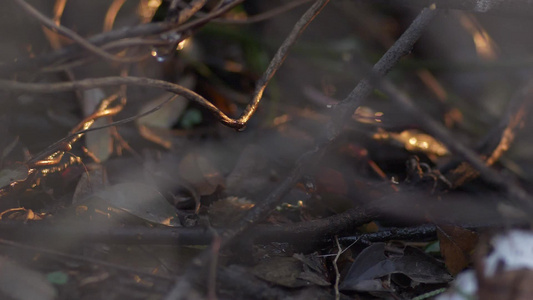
x=190, y=118
x=58, y=277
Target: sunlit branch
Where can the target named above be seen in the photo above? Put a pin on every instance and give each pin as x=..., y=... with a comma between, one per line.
x=53, y=37
x=111, y=14
x=263, y=208
x=518, y=195
x=113, y=81
x=122, y=44
x=238, y=123
x=497, y=141
x=342, y=114
x=69, y=52
x=190, y=10
x=71, y=34
x=278, y=59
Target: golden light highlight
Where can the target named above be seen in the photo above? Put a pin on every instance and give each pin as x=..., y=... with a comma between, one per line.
x=281, y=120
x=367, y=115
x=181, y=45
x=414, y=140
x=484, y=45
x=147, y=9
x=486, y=48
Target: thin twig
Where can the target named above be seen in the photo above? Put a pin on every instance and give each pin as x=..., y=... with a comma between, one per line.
x=72, y=35
x=66, y=53
x=190, y=10
x=336, y=267
x=314, y=230
x=418, y=233
x=498, y=140
x=340, y=115
x=238, y=123
x=517, y=194
x=111, y=14
x=195, y=270
x=82, y=259
x=263, y=208
x=53, y=37
x=263, y=16
x=280, y=56
x=121, y=44
x=212, y=278
x=522, y=8
x=116, y=80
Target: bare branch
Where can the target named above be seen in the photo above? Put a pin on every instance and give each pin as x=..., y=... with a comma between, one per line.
x=116, y=80
x=79, y=258
x=238, y=123
x=336, y=268
x=72, y=51
x=497, y=7
x=112, y=13
x=263, y=208
x=516, y=193
x=71, y=34
x=279, y=58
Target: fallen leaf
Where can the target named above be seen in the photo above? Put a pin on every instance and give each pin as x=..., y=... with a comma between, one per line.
x=200, y=174
x=8, y=176
x=456, y=245
x=99, y=142
x=228, y=210
x=288, y=272
x=90, y=182
x=250, y=174
x=166, y=117
x=141, y=200
x=373, y=263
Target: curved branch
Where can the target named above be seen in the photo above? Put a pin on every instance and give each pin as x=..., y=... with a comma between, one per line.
x=280, y=57
x=117, y=80
x=238, y=123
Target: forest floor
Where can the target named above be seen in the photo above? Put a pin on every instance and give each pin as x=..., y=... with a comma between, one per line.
x=265, y=150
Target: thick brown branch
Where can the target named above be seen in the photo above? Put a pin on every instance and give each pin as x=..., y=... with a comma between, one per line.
x=498, y=7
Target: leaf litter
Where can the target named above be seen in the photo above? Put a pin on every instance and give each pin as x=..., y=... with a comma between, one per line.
x=183, y=174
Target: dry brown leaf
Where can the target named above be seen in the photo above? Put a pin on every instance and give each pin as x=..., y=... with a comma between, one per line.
x=200, y=174
x=456, y=246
